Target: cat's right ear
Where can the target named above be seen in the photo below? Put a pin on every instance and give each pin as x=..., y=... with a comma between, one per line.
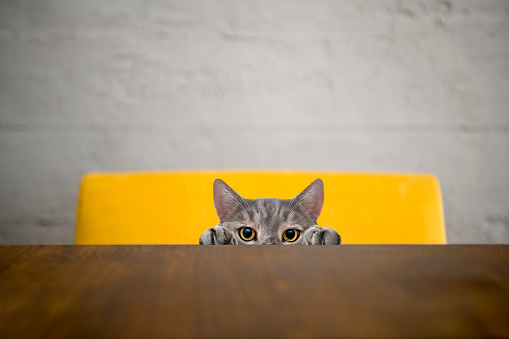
x=226, y=199
x=311, y=199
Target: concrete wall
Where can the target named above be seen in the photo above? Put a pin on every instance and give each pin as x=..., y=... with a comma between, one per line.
x=333, y=85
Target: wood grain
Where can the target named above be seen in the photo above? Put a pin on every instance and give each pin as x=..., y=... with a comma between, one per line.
x=254, y=291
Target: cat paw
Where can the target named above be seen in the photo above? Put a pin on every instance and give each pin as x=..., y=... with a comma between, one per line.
x=317, y=235
x=218, y=235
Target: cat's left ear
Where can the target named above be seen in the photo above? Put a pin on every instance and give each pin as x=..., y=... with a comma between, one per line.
x=311, y=199
x=226, y=200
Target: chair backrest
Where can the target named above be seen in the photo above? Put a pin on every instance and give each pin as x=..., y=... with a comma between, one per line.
x=176, y=207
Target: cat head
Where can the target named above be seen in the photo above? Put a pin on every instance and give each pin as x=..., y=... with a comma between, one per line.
x=268, y=221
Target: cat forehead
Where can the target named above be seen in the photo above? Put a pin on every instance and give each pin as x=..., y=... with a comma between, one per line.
x=267, y=202
x=269, y=207
x=262, y=211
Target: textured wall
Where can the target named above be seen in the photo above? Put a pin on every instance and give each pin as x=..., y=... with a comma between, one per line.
x=333, y=85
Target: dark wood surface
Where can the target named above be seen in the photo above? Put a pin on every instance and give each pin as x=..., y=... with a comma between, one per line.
x=254, y=291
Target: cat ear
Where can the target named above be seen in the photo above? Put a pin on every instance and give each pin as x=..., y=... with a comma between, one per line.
x=311, y=199
x=226, y=199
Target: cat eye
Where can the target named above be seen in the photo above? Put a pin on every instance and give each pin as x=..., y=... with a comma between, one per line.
x=291, y=235
x=247, y=233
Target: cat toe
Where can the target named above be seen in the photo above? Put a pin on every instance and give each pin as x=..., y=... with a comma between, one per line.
x=207, y=238
x=331, y=238
x=321, y=236
x=217, y=236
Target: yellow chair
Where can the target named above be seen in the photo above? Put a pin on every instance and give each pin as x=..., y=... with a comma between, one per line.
x=176, y=207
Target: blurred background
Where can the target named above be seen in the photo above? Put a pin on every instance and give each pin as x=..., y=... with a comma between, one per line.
x=403, y=86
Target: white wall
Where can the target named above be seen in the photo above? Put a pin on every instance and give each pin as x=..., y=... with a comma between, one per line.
x=333, y=85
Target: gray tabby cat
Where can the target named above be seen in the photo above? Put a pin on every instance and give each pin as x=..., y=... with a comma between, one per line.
x=269, y=221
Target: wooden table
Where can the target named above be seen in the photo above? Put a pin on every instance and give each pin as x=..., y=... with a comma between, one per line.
x=254, y=291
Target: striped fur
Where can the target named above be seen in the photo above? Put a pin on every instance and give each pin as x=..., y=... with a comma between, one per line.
x=269, y=218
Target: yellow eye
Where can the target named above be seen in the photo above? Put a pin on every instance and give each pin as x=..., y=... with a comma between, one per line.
x=291, y=235
x=247, y=233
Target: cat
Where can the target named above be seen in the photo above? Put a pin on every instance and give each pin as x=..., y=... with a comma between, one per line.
x=269, y=221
